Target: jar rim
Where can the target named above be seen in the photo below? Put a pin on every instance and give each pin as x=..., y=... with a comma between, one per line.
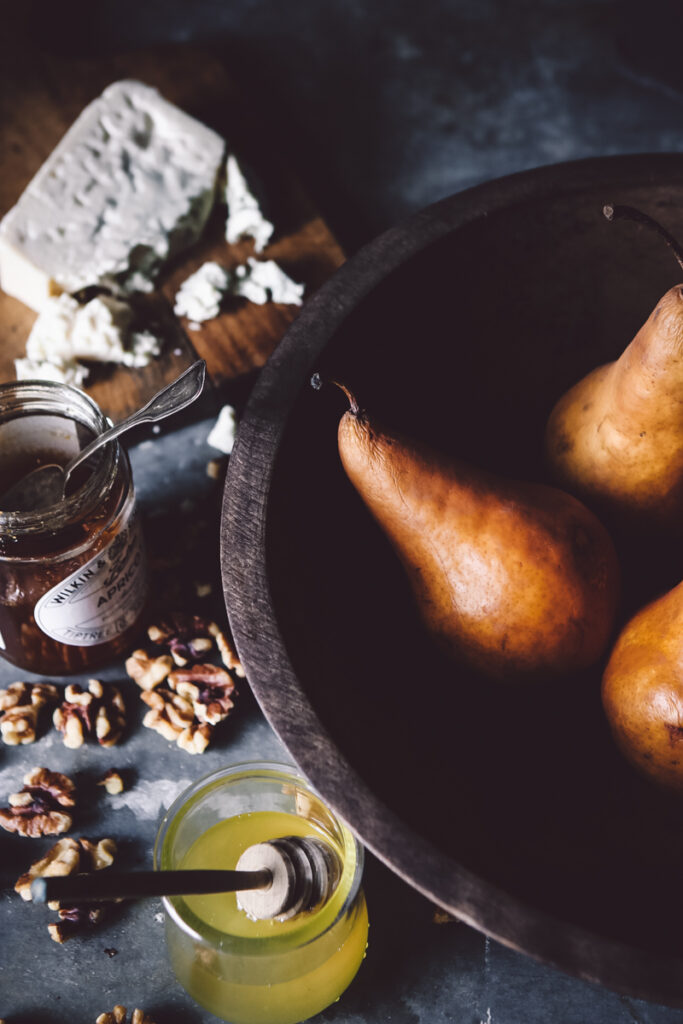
x=289, y=771
x=27, y=397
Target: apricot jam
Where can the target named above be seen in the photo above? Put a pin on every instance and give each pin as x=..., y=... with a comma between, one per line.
x=73, y=576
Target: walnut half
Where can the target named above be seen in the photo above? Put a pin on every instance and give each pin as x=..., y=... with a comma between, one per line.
x=21, y=705
x=195, y=695
x=38, y=809
x=208, y=688
x=172, y=716
x=96, y=713
x=70, y=856
x=148, y=672
x=189, y=638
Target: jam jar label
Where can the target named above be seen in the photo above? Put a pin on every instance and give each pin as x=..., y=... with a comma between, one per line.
x=103, y=598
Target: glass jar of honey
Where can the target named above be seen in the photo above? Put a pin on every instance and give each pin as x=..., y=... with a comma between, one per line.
x=73, y=576
x=268, y=971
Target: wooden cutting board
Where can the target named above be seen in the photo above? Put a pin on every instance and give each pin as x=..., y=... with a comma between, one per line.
x=40, y=99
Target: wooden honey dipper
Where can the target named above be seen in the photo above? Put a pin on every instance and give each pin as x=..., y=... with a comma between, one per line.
x=274, y=879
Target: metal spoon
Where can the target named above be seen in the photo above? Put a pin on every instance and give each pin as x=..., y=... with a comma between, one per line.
x=46, y=485
x=278, y=878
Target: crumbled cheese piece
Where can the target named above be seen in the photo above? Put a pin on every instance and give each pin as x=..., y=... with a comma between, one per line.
x=264, y=281
x=200, y=295
x=68, y=372
x=98, y=331
x=142, y=347
x=245, y=219
x=66, y=330
x=131, y=183
x=222, y=434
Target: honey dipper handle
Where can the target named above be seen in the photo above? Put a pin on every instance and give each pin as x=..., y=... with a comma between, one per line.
x=100, y=886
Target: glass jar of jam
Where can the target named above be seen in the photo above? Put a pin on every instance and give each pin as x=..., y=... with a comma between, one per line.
x=73, y=576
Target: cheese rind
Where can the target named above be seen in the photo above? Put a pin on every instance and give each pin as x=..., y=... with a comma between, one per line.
x=131, y=183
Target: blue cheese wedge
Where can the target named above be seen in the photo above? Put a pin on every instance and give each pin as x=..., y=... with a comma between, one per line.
x=245, y=219
x=131, y=184
x=99, y=331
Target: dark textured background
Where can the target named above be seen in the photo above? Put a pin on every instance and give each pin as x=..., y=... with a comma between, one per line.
x=387, y=105
x=383, y=107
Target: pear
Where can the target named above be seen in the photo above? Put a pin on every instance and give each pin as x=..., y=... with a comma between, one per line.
x=515, y=579
x=615, y=439
x=642, y=690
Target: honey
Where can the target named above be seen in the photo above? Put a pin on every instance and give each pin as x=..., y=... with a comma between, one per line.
x=73, y=577
x=271, y=971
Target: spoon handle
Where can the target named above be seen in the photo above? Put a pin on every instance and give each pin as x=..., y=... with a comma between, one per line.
x=175, y=396
x=99, y=886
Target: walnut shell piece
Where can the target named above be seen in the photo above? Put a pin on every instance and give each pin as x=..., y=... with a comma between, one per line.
x=228, y=653
x=190, y=637
x=177, y=626
x=70, y=856
x=37, y=809
x=21, y=705
x=61, y=859
x=196, y=739
x=214, y=468
x=73, y=920
x=172, y=716
x=112, y=782
x=96, y=713
x=118, y=1016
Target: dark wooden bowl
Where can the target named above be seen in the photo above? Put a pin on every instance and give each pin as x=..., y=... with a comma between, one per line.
x=512, y=810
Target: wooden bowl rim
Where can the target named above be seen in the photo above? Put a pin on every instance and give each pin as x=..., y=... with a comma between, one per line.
x=639, y=973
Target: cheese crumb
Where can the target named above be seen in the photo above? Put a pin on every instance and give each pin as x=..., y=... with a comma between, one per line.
x=99, y=331
x=264, y=281
x=68, y=372
x=222, y=435
x=200, y=295
x=245, y=219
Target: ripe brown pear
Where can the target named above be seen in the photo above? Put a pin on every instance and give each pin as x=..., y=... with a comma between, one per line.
x=518, y=580
x=616, y=438
x=642, y=690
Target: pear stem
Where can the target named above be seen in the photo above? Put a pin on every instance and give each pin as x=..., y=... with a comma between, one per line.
x=612, y=212
x=317, y=382
x=353, y=404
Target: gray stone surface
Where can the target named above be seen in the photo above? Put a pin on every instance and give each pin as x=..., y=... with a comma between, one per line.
x=386, y=106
